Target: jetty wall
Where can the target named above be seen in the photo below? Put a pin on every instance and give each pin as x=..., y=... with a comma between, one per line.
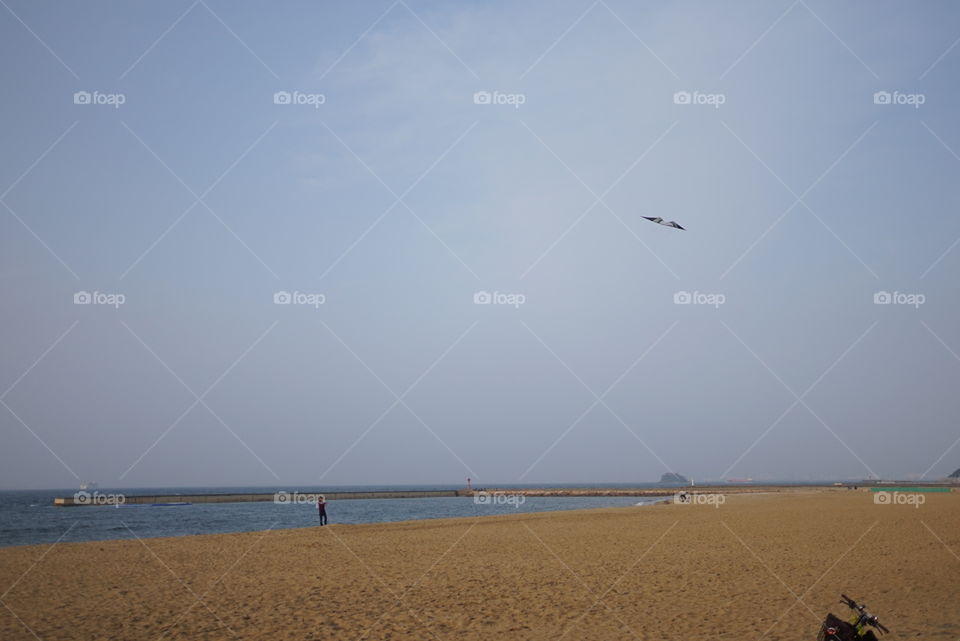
x=81, y=500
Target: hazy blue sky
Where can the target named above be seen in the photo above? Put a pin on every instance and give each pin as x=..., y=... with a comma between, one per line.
x=403, y=194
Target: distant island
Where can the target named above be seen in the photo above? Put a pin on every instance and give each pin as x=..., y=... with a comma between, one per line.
x=955, y=475
x=673, y=478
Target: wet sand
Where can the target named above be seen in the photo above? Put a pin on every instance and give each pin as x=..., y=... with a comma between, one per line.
x=758, y=566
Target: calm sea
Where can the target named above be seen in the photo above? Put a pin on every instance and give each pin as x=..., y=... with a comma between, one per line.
x=29, y=517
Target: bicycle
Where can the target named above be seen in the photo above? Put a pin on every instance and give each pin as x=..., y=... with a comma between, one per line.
x=856, y=629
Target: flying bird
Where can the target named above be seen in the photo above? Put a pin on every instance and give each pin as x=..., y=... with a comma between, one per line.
x=661, y=221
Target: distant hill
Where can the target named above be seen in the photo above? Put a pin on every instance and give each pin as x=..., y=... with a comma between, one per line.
x=678, y=479
x=955, y=475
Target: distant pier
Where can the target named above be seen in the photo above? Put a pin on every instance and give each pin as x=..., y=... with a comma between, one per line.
x=81, y=500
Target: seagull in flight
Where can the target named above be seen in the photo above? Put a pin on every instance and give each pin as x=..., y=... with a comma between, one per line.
x=661, y=221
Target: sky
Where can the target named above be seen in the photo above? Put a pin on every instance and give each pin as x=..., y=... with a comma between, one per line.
x=325, y=243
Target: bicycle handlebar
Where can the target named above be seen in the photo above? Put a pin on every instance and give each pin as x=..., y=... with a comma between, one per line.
x=865, y=616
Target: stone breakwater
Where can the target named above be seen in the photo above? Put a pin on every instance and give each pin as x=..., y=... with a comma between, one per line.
x=91, y=498
x=647, y=491
x=670, y=490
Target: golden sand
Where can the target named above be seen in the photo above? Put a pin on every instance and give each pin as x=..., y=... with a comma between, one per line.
x=757, y=567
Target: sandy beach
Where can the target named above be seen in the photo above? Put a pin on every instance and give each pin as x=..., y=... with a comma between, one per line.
x=758, y=566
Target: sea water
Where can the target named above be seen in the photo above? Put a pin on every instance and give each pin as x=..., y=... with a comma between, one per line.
x=29, y=517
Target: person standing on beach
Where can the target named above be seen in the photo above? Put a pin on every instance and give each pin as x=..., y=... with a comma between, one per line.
x=322, y=509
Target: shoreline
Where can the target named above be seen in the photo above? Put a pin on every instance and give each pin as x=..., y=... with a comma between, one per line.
x=405, y=522
x=648, y=493
x=152, y=527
